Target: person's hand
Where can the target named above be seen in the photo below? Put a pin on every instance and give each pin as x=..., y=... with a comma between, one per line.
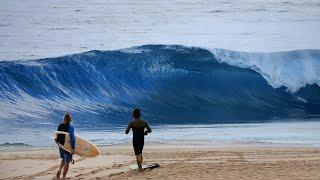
x=73, y=151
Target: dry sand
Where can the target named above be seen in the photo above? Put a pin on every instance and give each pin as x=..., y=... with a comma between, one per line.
x=177, y=161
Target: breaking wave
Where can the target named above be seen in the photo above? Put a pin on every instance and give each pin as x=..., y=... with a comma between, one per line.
x=171, y=84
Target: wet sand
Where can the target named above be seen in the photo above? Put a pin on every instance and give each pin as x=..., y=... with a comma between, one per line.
x=177, y=161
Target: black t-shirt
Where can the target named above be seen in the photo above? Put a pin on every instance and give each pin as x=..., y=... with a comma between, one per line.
x=61, y=137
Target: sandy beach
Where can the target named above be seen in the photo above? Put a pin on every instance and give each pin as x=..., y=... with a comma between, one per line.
x=177, y=161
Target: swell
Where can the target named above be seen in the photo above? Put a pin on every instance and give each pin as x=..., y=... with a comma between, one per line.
x=14, y=144
x=171, y=84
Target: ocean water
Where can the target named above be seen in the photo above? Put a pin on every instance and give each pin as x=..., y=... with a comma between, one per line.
x=37, y=29
x=215, y=135
x=232, y=66
x=173, y=85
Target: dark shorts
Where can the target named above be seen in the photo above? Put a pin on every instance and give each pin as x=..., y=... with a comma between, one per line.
x=138, y=146
x=65, y=155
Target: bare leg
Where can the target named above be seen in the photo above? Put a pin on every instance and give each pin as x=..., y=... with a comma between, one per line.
x=60, y=168
x=141, y=159
x=139, y=162
x=137, y=158
x=65, y=169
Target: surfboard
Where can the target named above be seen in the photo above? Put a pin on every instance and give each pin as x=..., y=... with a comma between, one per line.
x=83, y=147
x=145, y=166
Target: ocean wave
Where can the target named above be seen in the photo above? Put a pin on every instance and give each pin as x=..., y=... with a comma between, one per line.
x=15, y=145
x=171, y=84
x=291, y=69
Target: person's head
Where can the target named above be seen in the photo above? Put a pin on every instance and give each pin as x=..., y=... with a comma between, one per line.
x=136, y=113
x=67, y=118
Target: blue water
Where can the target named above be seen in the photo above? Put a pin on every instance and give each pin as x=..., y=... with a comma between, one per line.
x=171, y=84
x=276, y=133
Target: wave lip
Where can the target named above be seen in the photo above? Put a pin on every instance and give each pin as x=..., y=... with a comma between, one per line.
x=171, y=84
x=293, y=69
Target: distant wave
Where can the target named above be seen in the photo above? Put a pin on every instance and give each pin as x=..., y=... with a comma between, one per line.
x=14, y=145
x=171, y=84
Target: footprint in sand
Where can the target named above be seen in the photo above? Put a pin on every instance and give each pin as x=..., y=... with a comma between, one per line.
x=94, y=171
x=79, y=175
x=116, y=165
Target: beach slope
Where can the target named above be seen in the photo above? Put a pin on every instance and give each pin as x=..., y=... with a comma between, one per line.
x=176, y=162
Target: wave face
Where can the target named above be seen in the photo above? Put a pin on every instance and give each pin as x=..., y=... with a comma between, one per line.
x=171, y=84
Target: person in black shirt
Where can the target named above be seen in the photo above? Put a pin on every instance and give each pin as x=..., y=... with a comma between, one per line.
x=138, y=127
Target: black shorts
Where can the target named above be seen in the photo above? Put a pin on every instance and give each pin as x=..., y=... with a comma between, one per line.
x=138, y=146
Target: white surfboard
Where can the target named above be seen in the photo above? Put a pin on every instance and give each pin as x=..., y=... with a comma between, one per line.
x=145, y=166
x=83, y=146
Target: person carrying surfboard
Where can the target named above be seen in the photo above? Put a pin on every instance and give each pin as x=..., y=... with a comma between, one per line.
x=138, y=126
x=65, y=156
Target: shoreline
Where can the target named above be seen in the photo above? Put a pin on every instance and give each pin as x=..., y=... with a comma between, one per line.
x=168, y=144
x=291, y=134
x=176, y=160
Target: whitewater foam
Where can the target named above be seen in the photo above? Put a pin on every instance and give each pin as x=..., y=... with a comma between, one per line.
x=292, y=69
x=293, y=133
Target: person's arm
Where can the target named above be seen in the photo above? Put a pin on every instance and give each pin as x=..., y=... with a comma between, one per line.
x=128, y=128
x=148, y=129
x=72, y=138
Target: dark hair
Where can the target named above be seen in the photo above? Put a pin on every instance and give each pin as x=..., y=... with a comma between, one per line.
x=136, y=113
x=67, y=118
